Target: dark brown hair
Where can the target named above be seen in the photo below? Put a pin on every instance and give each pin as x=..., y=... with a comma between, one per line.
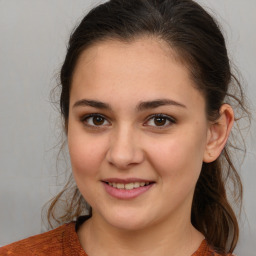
x=196, y=38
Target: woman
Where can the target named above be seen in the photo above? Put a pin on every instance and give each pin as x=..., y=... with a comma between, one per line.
x=146, y=102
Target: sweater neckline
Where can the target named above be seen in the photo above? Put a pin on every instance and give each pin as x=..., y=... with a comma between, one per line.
x=71, y=243
x=73, y=247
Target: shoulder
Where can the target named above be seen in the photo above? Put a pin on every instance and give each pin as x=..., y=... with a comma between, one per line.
x=206, y=250
x=48, y=243
x=214, y=253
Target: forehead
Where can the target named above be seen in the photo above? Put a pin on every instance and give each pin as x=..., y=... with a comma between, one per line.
x=145, y=67
x=142, y=52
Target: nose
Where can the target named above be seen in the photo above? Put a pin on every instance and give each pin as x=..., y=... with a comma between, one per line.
x=125, y=150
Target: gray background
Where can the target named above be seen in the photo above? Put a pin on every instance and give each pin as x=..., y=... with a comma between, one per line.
x=33, y=38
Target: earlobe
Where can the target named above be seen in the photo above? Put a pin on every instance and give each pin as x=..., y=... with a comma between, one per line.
x=218, y=133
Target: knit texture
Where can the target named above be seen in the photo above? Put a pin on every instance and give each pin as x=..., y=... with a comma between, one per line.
x=64, y=241
x=60, y=241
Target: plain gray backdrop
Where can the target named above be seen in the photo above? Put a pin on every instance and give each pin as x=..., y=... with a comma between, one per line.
x=33, y=38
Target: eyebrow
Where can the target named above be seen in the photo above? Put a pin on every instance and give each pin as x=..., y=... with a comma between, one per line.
x=158, y=103
x=140, y=107
x=92, y=103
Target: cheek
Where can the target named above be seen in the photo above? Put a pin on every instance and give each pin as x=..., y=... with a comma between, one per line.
x=86, y=153
x=179, y=159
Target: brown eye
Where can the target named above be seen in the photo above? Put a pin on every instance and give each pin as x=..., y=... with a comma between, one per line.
x=95, y=120
x=160, y=121
x=98, y=120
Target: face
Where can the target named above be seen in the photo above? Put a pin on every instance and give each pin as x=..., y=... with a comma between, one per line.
x=137, y=133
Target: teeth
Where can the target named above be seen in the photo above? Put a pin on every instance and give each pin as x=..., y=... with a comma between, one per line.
x=119, y=185
x=128, y=186
x=136, y=185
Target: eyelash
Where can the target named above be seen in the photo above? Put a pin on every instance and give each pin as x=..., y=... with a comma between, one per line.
x=170, y=119
x=166, y=118
x=85, y=119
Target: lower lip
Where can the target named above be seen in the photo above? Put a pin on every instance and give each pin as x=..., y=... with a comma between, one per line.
x=126, y=193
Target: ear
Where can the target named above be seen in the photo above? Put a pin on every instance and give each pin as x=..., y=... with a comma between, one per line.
x=218, y=133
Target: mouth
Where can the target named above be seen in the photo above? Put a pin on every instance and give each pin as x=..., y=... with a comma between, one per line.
x=128, y=186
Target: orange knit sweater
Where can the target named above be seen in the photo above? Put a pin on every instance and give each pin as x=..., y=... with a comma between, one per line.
x=64, y=241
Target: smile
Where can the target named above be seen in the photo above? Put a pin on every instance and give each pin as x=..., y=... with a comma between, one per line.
x=128, y=186
x=127, y=189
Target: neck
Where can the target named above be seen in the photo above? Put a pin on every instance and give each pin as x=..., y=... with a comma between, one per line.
x=175, y=237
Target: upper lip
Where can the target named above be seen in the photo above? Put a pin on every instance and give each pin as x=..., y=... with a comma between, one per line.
x=126, y=181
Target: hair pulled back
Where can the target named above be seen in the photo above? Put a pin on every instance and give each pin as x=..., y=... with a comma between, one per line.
x=196, y=38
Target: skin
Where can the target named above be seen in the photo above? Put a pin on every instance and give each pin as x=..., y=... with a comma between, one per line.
x=128, y=143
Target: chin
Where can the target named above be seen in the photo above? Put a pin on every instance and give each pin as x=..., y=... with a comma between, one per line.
x=129, y=225
x=129, y=221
